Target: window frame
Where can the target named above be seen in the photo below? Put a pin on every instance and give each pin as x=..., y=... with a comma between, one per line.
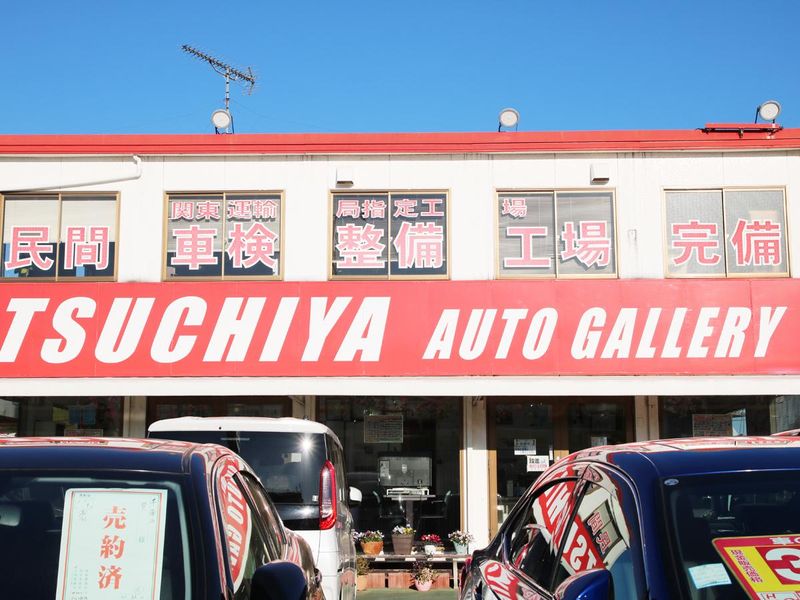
x=498, y=274
x=665, y=191
x=115, y=195
x=222, y=276
x=332, y=193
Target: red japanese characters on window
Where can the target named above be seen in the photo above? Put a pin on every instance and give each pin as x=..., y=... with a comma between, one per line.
x=696, y=241
x=587, y=242
x=224, y=235
x=59, y=236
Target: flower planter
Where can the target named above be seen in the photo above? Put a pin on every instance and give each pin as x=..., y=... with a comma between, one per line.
x=429, y=549
x=361, y=582
x=402, y=543
x=423, y=586
x=461, y=548
x=372, y=548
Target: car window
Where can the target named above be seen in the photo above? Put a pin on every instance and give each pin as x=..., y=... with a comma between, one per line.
x=337, y=458
x=535, y=536
x=600, y=535
x=246, y=548
x=47, y=519
x=275, y=537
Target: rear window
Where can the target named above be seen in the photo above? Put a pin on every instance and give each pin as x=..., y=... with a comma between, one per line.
x=288, y=464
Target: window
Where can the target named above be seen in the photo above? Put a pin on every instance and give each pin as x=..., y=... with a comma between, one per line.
x=274, y=535
x=536, y=536
x=59, y=236
x=224, y=235
x=556, y=234
x=726, y=233
x=389, y=235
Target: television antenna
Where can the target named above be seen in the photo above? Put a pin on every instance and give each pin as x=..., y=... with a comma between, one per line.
x=222, y=118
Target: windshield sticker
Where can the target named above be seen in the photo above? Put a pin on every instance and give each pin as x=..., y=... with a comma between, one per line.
x=112, y=543
x=709, y=575
x=767, y=567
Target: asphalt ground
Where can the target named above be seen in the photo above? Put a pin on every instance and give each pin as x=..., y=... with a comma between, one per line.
x=401, y=594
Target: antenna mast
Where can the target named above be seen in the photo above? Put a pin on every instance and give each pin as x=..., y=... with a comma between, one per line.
x=222, y=119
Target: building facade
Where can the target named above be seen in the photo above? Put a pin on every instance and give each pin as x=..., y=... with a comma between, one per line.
x=461, y=309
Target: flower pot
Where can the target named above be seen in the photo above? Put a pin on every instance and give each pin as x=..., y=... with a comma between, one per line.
x=402, y=543
x=361, y=582
x=430, y=549
x=423, y=586
x=461, y=548
x=372, y=548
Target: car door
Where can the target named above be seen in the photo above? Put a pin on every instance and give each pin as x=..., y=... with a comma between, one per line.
x=529, y=543
x=604, y=533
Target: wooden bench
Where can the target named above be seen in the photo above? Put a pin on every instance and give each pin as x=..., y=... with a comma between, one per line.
x=394, y=570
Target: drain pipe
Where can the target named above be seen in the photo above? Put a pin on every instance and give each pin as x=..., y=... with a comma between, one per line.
x=41, y=188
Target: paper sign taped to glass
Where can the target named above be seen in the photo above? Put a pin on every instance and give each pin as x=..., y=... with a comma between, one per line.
x=112, y=543
x=524, y=447
x=537, y=463
x=767, y=567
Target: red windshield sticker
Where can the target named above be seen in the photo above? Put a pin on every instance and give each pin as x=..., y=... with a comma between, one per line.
x=767, y=567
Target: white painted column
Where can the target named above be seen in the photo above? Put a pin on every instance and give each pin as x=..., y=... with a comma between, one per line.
x=646, y=418
x=475, y=472
x=134, y=416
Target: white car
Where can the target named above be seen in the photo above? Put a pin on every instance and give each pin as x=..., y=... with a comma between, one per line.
x=301, y=465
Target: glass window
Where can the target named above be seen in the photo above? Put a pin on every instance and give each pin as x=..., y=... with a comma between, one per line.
x=403, y=454
x=704, y=510
x=224, y=235
x=35, y=246
x=69, y=416
x=275, y=536
x=535, y=538
x=213, y=406
x=556, y=234
x=701, y=416
x=32, y=513
x=389, y=235
x=597, y=423
x=717, y=233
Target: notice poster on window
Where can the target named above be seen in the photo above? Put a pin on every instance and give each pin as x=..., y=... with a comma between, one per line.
x=112, y=543
x=537, y=463
x=524, y=447
x=383, y=429
x=712, y=425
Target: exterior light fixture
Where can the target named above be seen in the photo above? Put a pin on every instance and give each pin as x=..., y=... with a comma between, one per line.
x=769, y=110
x=221, y=119
x=508, y=118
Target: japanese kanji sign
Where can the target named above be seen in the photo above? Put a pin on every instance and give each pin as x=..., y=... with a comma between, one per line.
x=397, y=328
x=112, y=543
x=549, y=233
x=767, y=567
x=389, y=234
x=224, y=235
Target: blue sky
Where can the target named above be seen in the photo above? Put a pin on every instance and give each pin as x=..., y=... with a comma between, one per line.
x=91, y=66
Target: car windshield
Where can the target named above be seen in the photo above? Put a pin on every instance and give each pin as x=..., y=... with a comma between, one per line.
x=288, y=464
x=709, y=517
x=77, y=535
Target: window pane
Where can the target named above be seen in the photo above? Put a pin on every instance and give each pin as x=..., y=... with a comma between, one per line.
x=30, y=234
x=194, y=235
x=360, y=235
x=755, y=232
x=586, y=234
x=694, y=232
x=88, y=236
x=253, y=230
x=526, y=235
x=419, y=234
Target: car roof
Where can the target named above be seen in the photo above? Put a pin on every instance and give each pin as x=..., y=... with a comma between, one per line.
x=688, y=456
x=86, y=453
x=282, y=424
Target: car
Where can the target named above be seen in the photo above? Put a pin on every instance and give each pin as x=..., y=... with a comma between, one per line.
x=699, y=518
x=130, y=518
x=789, y=433
x=301, y=464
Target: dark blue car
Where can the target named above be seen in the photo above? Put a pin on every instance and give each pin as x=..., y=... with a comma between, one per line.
x=142, y=519
x=702, y=519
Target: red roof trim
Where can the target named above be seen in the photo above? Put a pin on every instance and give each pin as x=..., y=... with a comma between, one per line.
x=398, y=143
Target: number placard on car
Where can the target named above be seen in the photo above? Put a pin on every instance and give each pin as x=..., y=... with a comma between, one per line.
x=767, y=567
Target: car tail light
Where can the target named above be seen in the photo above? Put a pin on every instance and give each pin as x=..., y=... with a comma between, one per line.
x=327, y=496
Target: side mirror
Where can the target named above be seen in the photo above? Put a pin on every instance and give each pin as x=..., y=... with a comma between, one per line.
x=355, y=496
x=278, y=580
x=595, y=584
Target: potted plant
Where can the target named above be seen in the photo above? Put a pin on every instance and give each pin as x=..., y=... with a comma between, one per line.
x=371, y=541
x=423, y=576
x=402, y=538
x=362, y=568
x=430, y=541
x=461, y=540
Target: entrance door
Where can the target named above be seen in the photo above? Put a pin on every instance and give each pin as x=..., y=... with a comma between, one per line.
x=526, y=435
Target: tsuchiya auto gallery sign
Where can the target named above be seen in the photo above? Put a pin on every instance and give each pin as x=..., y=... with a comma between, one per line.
x=420, y=328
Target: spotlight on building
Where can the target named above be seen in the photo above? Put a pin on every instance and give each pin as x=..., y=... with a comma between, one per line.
x=221, y=119
x=508, y=118
x=768, y=111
